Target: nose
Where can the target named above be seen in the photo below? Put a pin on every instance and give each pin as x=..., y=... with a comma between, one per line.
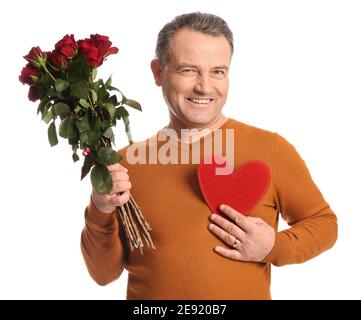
x=203, y=84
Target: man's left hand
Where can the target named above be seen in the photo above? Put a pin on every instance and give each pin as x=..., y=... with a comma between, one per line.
x=255, y=238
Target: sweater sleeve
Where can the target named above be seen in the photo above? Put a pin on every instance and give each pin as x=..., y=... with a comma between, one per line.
x=101, y=245
x=313, y=225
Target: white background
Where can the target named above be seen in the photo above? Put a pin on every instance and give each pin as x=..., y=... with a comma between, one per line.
x=296, y=70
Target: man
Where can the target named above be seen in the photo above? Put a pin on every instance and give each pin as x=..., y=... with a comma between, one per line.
x=199, y=255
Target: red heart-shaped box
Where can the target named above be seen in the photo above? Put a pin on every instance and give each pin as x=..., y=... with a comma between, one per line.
x=241, y=189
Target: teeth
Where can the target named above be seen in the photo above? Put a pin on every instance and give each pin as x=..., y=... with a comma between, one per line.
x=201, y=101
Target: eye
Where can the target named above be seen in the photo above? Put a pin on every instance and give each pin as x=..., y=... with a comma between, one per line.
x=188, y=72
x=219, y=73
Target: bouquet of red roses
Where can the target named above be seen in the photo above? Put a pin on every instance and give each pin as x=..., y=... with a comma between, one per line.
x=64, y=80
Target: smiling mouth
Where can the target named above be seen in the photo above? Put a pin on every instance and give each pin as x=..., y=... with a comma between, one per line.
x=200, y=101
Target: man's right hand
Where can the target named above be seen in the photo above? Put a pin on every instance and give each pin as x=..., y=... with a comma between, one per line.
x=107, y=202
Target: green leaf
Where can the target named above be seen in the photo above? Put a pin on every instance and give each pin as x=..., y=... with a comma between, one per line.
x=108, y=133
x=134, y=104
x=84, y=103
x=53, y=139
x=73, y=131
x=113, y=100
x=83, y=138
x=61, y=85
x=52, y=92
x=93, y=137
x=63, y=128
x=67, y=128
x=77, y=109
x=96, y=123
x=101, y=92
x=61, y=109
x=101, y=179
x=108, y=83
x=79, y=89
x=47, y=116
x=106, y=124
x=75, y=157
x=97, y=84
x=43, y=104
x=83, y=123
x=73, y=140
x=46, y=81
x=79, y=69
x=126, y=122
x=107, y=156
x=112, y=139
x=88, y=163
x=121, y=112
x=114, y=89
x=110, y=109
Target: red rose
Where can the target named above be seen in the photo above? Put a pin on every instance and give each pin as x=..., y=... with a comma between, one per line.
x=57, y=61
x=67, y=46
x=103, y=44
x=29, y=75
x=33, y=93
x=91, y=52
x=35, y=56
x=96, y=49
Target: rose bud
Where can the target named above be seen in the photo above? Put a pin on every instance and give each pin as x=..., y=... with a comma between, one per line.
x=57, y=61
x=33, y=94
x=96, y=49
x=104, y=45
x=36, y=57
x=29, y=75
x=67, y=46
x=90, y=52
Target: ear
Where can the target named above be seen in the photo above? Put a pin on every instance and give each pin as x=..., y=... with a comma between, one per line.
x=157, y=71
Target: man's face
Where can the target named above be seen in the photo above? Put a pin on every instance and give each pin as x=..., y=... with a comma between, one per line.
x=195, y=79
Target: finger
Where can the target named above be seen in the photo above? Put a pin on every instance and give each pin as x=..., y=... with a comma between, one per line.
x=121, y=186
x=228, y=226
x=235, y=216
x=228, y=253
x=117, y=167
x=223, y=235
x=256, y=220
x=119, y=200
x=119, y=176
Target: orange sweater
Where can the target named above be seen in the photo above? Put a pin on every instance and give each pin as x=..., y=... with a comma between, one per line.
x=184, y=265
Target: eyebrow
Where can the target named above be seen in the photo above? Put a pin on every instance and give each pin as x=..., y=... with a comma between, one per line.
x=222, y=67
x=188, y=65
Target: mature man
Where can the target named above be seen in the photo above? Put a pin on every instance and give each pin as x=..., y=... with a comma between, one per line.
x=199, y=255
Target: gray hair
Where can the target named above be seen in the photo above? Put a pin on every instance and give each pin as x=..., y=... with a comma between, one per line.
x=197, y=21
